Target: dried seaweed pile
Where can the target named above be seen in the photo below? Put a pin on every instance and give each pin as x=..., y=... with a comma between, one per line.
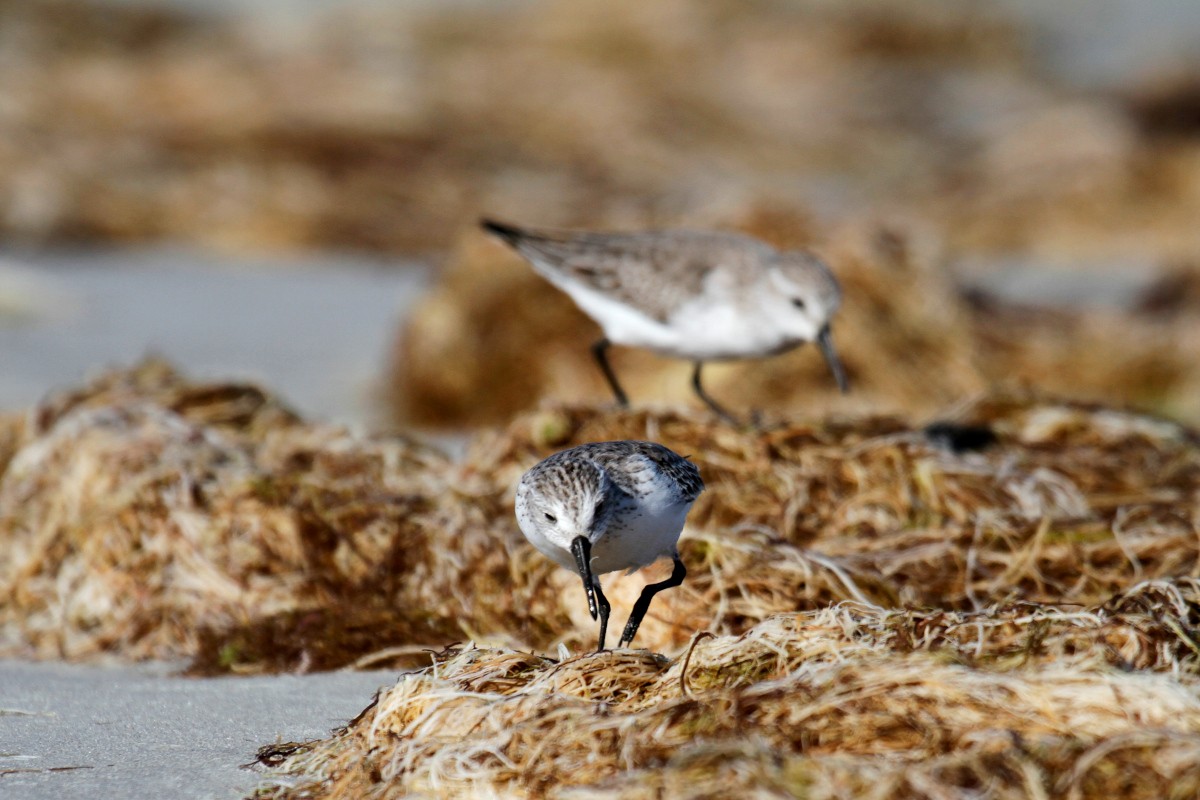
x=843, y=702
x=1017, y=622
x=383, y=127
x=1004, y=602
x=145, y=516
x=1070, y=504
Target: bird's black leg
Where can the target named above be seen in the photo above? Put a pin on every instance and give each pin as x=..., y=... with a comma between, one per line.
x=605, y=608
x=600, y=351
x=598, y=605
x=713, y=404
x=643, y=603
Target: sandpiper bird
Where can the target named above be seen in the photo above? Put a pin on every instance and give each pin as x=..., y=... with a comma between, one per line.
x=701, y=296
x=606, y=506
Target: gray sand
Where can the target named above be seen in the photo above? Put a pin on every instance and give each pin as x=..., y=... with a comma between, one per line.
x=315, y=330
x=70, y=731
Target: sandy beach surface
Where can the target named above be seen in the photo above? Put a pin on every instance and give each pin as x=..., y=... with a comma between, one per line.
x=315, y=328
x=70, y=731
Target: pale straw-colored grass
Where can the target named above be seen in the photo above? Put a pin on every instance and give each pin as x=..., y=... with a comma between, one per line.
x=868, y=612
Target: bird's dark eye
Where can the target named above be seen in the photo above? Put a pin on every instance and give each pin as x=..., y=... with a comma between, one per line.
x=798, y=302
x=550, y=517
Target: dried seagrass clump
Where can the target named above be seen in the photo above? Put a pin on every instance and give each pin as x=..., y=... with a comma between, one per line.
x=1003, y=602
x=846, y=702
x=1068, y=503
x=148, y=516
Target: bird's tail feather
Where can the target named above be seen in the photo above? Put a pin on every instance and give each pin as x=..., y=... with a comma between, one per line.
x=508, y=233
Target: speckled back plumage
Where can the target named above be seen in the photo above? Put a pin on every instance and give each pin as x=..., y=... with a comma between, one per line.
x=572, y=466
x=654, y=271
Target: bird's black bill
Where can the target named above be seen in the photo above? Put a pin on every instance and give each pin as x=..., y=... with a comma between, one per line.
x=825, y=340
x=598, y=605
x=581, y=548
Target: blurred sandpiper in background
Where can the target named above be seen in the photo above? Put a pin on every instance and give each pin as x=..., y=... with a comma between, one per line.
x=1008, y=192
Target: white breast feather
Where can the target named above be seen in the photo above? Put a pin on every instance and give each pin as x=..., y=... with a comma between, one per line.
x=710, y=327
x=622, y=323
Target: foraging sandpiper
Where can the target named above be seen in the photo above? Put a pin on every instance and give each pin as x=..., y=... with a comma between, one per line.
x=701, y=296
x=606, y=506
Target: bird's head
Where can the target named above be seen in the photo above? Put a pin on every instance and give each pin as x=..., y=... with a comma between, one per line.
x=559, y=501
x=805, y=297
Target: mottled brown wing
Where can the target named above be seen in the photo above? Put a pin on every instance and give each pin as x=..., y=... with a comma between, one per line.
x=623, y=453
x=651, y=271
x=685, y=474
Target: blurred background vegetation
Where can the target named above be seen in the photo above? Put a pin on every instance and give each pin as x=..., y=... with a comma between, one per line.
x=1009, y=191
